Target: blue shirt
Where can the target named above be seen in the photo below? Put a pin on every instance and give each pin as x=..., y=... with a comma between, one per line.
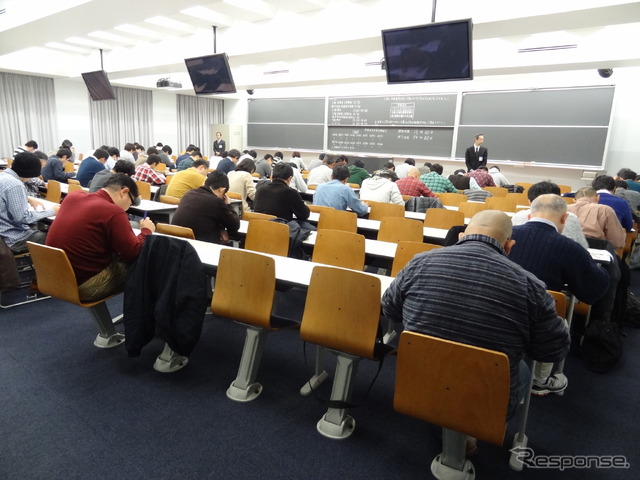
x=88, y=168
x=620, y=206
x=339, y=196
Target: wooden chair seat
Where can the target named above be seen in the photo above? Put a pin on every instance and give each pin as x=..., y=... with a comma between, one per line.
x=332, y=319
x=170, y=200
x=57, y=279
x=73, y=181
x=497, y=191
x=443, y=218
x=320, y=208
x=256, y=216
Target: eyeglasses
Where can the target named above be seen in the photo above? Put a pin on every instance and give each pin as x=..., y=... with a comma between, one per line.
x=135, y=201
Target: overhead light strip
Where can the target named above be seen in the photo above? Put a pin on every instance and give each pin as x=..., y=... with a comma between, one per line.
x=549, y=48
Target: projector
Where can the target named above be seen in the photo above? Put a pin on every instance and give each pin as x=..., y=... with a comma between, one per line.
x=167, y=83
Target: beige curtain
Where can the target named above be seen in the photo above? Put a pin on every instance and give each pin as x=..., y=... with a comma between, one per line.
x=195, y=117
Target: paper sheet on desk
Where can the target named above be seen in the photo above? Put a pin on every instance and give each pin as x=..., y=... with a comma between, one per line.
x=600, y=255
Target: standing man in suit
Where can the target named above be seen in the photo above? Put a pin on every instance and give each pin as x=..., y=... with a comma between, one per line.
x=476, y=154
x=219, y=145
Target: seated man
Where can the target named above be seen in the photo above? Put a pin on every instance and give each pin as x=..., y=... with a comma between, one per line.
x=598, y=221
x=94, y=231
x=498, y=177
x=207, y=211
x=572, y=228
x=412, y=186
x=147, y=171
x=507, y=301
x=381, y=188
x=604, y=185
x=228, y=164
x=482, y=177
x=322, y=173
x=357, y=172
x=436, y=182
x=462, y=182
x=92, y=165
x=189, y=179
x=338, y=194
x=188, y=161
x=277, y=198
x=630, y=177
x=101, y=178
x=54, y=169
x=18, y=212
x=263, y=166
x=559, y=261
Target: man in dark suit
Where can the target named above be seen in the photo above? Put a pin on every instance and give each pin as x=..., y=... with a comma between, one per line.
x=476, y=154
x=219, y=145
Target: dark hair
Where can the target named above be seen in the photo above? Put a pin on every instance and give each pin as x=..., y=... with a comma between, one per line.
x=217, y=180
x=154, y=158
x=104, y=147
x=129, y=146
x=605, y=182
x=389, y=166
x=152, y=151
x=293, y=165
x=167, y=149
x=196, y=153
x=113, y=151
x=627, y=174
x=64, y=151
x=201, y=162
x=246, y=165
x=482, y=167
x=124, y=166
x=496, y=167
x=329, y=160
x=40, y=154
x=190, y=148
x=121, y=180
x=386, y=173
x=295, y=155
x=31, y=144
x=358, y=163
x=542, y=188
x=282, y=171
x=436, y=167
x=410, y=161
x=101, y=153
x=342, y=158
x=478, y=135
x=622, y=184
x=341, y=172
x=268, y=156
x=322, y=156
x=66, y=143
x=224, y=154
x=460, y=171
x=427, y=164
x=234, y=153
x=138, y=146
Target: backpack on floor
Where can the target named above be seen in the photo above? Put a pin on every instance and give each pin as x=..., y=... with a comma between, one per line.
x=631, y=315
x=601, y=346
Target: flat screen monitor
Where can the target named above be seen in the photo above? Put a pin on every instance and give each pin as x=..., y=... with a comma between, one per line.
x=210, y=74
x=429, y=53
x=98, y=85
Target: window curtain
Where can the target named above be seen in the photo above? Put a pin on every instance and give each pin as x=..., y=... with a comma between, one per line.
x=27, y=112
x=195, y=117
x=128, y=118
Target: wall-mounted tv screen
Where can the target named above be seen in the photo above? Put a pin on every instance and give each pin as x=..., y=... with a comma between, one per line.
x=98, y=85
x=210, y=74
x=429, y=53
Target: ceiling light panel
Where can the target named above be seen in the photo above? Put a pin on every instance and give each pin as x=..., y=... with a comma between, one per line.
x=202, y=13
x=170, y=24
x=142, y=32
x=112, y=37
x=88, y=43
x=67, y=48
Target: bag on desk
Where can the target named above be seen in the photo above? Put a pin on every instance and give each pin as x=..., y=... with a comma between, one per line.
x=601, y=346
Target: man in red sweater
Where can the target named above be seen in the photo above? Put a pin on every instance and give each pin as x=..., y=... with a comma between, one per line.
x=94, y=231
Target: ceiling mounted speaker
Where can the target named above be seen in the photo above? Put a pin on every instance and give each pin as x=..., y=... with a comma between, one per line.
x=250, y=92
x=605, y=72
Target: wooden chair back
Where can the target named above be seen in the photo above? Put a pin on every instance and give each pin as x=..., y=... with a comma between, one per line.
x=144, y=190
x=338, y=220
x=406, y=197
x=312, y=187
x=469, y=209
x=320, y=208
x=465, y=388
x=340, y=249
x=443, y=218
x=161, y=167
x=74, y=187
x=396, y=229
x=245, y=287
x=168, y=199
x=267, y=237
x=564, y=189
x=331, y=316
x=560, y=300
x=234, y=195
x=175, y=230
x=168, y=179
x=569, y=200
x=503, y=204
x=497, y=191
x=525, y=185
x=53, y=191
x=452, y=199
x=248, y=216
x=380, y=210
x=69, y=167
x=353, y=185
x=54, y=272
x=73, y=181
x=519, y=198
x=405, y=253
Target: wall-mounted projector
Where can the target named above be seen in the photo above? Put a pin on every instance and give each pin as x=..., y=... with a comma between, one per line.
x=167, y=83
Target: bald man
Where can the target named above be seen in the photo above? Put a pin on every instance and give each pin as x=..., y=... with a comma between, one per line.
x=472, y=293
x=412, y=186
